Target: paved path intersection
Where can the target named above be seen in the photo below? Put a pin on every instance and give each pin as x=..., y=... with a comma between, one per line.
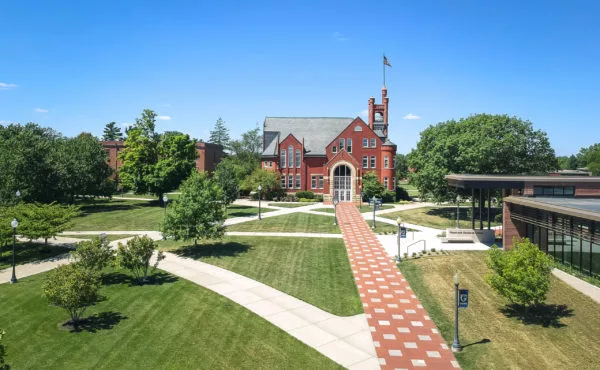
x=404, y=336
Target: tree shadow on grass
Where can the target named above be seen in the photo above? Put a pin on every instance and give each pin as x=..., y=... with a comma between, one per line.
x=94, y=323
x=156, y=278
x=214, y=250
x=546, y=315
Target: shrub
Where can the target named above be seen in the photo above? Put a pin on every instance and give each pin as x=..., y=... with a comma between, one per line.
x=290, y=198
x=405, y=255
x=135, y=256
x=318, y=198
x=522, y=275
x=305, y=194
x=402, y=194
x=73, y=288
x=93, y=255
x=498, y=218
x=433, y=249
x=414, y=254
x=388, y=196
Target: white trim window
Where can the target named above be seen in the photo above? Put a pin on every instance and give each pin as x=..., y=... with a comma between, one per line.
x=386, y=161
x=320, y=182
x=342, y=144
x=365, y=161
x=298, y=161
x=349, y=145
x=365, y=143
x=283, y=181
x=373, y=143
x=298, y=181
x=373, y=161
x=290, y=181
x=313, y=182
x=283, y=158
x=386, y=183
x=291, y=156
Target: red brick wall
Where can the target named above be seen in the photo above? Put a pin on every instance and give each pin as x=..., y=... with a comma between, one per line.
x=510, y=229
x=113, y=148
x=209, y=155
x=582, y=189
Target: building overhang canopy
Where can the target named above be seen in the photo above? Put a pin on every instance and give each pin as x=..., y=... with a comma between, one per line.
x=469, y=181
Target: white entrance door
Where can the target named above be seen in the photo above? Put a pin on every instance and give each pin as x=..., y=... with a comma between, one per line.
x=342, y=183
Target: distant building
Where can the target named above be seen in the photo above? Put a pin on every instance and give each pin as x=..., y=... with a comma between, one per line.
x=577, y=172
x=209, y=155
x=329, y=155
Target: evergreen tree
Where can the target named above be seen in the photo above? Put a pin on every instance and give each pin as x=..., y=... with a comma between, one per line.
x=112, y=132
x=220, y=134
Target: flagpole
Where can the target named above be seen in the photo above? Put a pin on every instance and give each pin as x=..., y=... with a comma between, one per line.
x=383, y=61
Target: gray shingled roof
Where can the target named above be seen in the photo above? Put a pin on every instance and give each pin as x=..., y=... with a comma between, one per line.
x=317, y=132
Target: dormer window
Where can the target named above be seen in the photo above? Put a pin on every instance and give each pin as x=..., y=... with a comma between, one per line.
x=334, y=149
x=342, y=144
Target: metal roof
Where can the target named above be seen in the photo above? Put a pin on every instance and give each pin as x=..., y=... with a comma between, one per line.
x=513, y=181
x=587, y=208
x=317, y=132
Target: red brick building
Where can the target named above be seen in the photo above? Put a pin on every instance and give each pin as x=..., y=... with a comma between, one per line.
x=209, y=155
x=330, y=155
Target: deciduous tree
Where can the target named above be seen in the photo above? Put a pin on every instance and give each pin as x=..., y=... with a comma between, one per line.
x=135, y=256
x=198, y=213
x=93, y=255
x=44, y=220
x=73, y=289
x=522, y=275
x=479, y=144
x=371, y=185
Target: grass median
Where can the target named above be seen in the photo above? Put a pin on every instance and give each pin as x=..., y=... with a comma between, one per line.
x=440, y=217
x=561, y=334
x=315, y=270
x=293, y=222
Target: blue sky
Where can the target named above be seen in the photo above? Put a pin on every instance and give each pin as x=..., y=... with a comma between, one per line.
x=76, y=65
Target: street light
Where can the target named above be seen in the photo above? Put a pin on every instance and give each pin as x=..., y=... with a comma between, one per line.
x=14, y=223
x=259, y=198
x=457, y=211
x=399, y=238
x=374, y=207
x=456, y=347
x=335, y=203
x=165, y=201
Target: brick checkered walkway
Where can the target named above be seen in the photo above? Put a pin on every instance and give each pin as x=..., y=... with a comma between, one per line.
x=404, y=336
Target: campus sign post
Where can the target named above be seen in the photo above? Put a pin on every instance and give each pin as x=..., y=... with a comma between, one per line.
x=401, y=235
x=335, y=203
x=461, y=300
x=259, y=199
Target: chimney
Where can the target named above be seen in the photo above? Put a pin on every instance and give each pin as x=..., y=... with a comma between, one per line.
x=371, y=112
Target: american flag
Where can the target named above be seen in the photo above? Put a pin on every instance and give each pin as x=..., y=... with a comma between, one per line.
x=385, y=62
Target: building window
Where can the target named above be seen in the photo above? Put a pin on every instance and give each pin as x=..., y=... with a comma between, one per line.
x=394, y=183
x=386, y=162
x=297, y=181
x=313, y=182
x=320, y=182
x=283, y=181
x=283, y=158
x=291, y=157
x=365, y=161
x=291, y=181
x=372, y=161
x=334, y=149
x=349, y=145
x=342, y=144
x=373, y=143
x=394, y=161
x=386, y=183
x=554, y=191
x=297, y=158
x=365, y=143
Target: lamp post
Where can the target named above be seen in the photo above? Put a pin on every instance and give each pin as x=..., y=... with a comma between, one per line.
x=374, y=206
x=165, y=200
x=457, y=211
x=259, y=198
x=14, y=223
x=399, y=238
x=18, y=195
x=456, y=347
x=335, y=203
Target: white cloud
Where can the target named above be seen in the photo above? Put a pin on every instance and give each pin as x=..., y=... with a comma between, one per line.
x=164, y=118
x=41, y=110
x=126, y=124
x=338, y=36
x=5, y=86
x=411, y=116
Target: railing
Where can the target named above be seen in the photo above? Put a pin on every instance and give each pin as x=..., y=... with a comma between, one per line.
x=418, y=241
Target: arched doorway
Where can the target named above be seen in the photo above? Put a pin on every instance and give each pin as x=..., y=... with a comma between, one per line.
x=342, y=183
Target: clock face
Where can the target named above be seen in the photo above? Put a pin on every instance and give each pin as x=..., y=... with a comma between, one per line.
x=378, y=117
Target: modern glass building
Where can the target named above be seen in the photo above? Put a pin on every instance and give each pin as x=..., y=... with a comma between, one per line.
x=559, y=214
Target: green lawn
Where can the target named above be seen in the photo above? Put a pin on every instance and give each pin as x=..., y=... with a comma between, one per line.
x=236, y=210
x=109, y=237
x=315, y=270
x=117, y=214
x=440, y=217
x=324, y=210
x=410, y=189
x=294, y=222
x=565, y=336
x=29, y=252
x=290, y=205
x=172, y=324
x=145, y=196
